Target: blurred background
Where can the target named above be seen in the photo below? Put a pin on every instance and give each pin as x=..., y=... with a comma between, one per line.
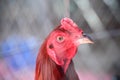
x=24, y=25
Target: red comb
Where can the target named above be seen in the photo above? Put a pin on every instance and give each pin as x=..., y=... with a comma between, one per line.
x=69, y=22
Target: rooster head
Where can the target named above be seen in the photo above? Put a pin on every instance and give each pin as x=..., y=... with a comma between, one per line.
x=63, y=41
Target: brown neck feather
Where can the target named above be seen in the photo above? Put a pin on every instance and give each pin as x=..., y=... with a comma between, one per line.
x=46, y=69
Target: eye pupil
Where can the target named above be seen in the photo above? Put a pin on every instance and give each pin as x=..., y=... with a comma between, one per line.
x=60, y=38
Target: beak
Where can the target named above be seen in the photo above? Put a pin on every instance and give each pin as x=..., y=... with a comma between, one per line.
x=85, y=40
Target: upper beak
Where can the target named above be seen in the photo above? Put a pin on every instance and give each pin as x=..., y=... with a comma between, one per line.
x=84, y=40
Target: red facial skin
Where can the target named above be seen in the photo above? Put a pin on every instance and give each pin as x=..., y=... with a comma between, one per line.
x=64, y=50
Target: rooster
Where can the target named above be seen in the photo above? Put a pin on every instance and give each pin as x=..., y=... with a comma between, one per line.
x=54, y=60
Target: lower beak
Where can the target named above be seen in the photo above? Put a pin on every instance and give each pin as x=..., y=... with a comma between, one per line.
x=85, y=40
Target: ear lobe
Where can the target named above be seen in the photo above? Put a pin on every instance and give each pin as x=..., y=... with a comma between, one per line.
x=54, y=57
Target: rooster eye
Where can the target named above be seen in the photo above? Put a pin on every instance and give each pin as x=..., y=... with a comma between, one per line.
x=60, y=38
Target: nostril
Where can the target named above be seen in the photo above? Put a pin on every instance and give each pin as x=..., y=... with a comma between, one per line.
x=84, y=34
